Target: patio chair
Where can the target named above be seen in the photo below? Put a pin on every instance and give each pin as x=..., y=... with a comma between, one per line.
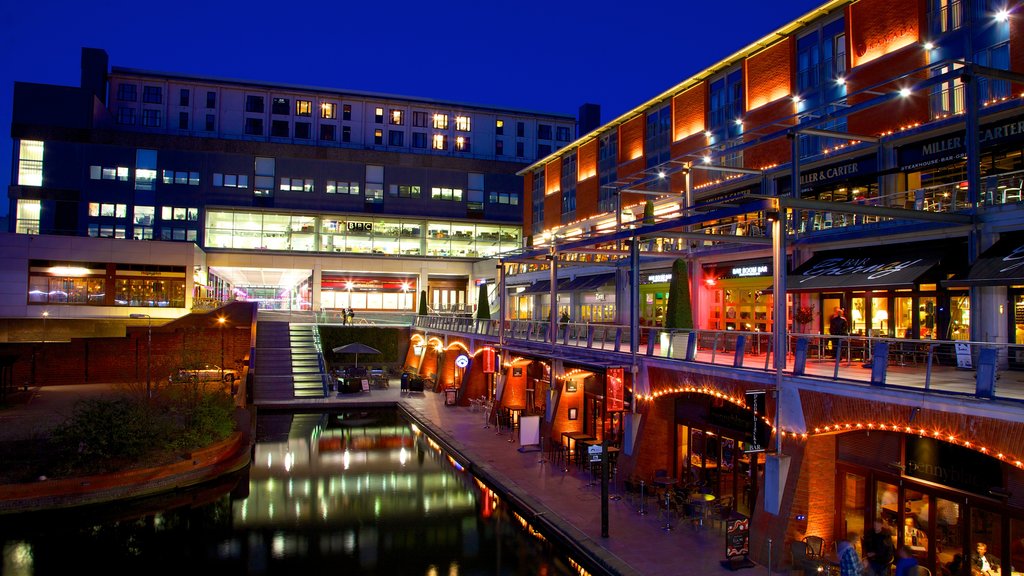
x=1013, y=194
x=815, y=546
x=802, y=561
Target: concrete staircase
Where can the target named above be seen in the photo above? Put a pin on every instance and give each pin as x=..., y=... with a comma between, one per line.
x=287, y=362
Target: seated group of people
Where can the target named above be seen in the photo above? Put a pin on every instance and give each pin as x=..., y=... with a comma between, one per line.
x=879, y=556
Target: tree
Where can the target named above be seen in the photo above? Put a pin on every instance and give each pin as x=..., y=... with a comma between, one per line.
x=483, y=306
x=678, y=314
x=423, y=303
x=648, y=219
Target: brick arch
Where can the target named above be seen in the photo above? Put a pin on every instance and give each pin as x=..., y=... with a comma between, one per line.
x=828, y=414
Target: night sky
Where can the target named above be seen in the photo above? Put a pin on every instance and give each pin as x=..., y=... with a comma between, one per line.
x=546, y=55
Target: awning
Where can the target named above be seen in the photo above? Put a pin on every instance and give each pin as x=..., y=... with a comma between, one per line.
x=587, y=282
x=1000, y=265
x=873, y=267
x=538, y=287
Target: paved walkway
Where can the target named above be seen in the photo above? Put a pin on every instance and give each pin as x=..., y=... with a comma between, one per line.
x=636, y=542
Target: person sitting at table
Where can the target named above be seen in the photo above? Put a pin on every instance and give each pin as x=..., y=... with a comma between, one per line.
x=912, y=535
x=983, y=563
x=906, y=564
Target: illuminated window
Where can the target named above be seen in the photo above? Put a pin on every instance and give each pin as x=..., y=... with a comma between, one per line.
x=27, y=217
x=297, y=184
x=328, y=111
x=145, y=169
x=441, y=121
x=97, y=209
x=342, y=187
x=303, y=108
x=378, y=115
x=462, y=143
x=440, y=142
x=264, y=184
x=378, y=136
x=462, y=123
x=452, y=194
x=179, y=213
x=404, y=191
x=144, y=216
x=397, y=117
x=499, y=127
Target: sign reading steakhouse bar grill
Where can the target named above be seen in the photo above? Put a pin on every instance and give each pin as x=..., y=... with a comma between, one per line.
x=951, y=146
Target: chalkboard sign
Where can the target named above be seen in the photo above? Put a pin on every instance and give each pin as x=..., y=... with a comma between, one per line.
x=737, y=536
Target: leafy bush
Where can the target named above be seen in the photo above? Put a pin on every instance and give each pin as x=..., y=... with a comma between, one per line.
x=111, y=434
x=208, y=420
x=101, y=431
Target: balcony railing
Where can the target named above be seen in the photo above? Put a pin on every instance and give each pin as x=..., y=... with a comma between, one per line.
x=979, y=369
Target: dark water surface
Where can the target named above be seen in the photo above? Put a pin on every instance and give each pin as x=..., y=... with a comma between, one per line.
x=357, y=492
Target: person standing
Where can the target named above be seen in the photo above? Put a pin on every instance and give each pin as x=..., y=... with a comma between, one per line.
x=837, y=326
x=850, y=563
x=878, y=549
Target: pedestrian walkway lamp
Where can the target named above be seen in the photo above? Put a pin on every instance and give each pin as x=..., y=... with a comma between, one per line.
x=149, y=349
x=220, y=324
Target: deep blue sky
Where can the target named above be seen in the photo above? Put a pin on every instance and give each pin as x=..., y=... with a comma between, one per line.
x=550, y=55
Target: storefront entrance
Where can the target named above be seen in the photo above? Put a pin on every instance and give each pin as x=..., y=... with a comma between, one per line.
x=942, y=524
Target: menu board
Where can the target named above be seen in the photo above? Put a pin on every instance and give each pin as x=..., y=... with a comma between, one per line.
x=737, y=536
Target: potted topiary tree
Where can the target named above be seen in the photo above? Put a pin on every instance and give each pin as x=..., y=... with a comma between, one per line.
x=678, y=312
x=423, y=303
x=483, y=306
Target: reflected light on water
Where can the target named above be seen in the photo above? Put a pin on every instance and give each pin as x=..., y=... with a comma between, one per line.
x=431, y=570
x=403, y=456
x=18, y=559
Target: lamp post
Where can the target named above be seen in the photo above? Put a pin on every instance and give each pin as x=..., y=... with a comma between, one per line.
x=149, y=349
x=220, y=324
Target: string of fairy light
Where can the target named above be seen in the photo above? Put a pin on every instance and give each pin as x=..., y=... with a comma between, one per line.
x=835, y=428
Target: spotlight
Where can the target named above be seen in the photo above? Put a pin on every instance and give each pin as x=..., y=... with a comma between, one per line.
x=929, y=46
x=707, y=159
x=904, y=92
x=1003, y=15
x=708, y=134
x=841, y=81
x=797, y=99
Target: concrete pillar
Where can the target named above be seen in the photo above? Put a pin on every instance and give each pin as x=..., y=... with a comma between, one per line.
x=317, y=281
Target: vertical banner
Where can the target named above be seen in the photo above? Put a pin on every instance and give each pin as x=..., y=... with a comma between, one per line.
x=613, y=379
x=488, y=360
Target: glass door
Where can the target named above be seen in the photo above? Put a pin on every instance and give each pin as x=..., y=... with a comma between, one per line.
x=985, y=541
x=853, y=497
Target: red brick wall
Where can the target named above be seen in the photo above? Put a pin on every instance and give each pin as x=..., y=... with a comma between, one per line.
x=778, y=527
x=553, y=176
x=587, y=182
x=631, y=143
x=1017, y=47
x=686, y=146
x=688, y=112
x=773, y=152
x=412, y=361
x=565, y=400
x=587, y=193
x=880, y=27
x=552, y=210
x=193, y=338
x=896, y=113
x=586, y=160
x=769, y=75
x=656, y=438
x=514, y=393
x=430, y=360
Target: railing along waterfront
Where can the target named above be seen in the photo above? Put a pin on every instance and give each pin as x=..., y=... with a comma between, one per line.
x=981, y=369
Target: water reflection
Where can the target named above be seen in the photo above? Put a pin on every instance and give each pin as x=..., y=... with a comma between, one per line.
x=355, y=492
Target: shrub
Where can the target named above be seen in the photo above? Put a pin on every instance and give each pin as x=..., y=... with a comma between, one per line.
x=210, y=419
x=103, y=431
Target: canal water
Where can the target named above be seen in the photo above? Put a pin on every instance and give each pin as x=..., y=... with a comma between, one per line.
x=351, y=492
